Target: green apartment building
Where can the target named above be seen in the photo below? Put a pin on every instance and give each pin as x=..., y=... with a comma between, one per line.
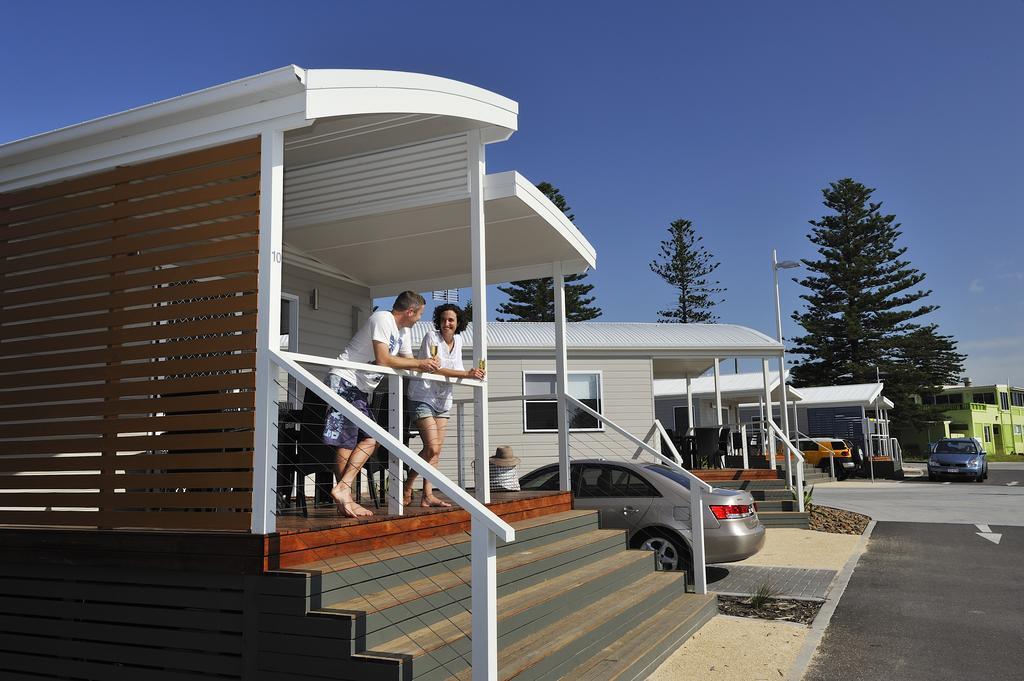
x=992, y=413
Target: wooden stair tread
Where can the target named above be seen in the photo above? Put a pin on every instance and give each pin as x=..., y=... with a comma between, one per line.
x=652, y=633
x=522, y=654
x=344, y=562
x=425, y=586
x=428, y=638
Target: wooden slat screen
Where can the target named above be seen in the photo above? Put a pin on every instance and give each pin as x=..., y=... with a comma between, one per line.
x=127, y=345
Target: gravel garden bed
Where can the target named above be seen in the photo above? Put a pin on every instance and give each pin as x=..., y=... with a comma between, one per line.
x=836, y=520
x=786, y=609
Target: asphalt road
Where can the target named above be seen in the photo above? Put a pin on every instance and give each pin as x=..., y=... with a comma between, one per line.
x=939, y=593
x=999, y=500
x=930, y=602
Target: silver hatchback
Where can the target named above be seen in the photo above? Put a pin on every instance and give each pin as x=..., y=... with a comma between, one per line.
x=652, y=503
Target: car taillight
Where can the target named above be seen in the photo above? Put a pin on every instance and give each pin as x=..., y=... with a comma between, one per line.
x=731, y=512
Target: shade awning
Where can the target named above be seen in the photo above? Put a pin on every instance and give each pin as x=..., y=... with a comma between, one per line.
x=427, y=247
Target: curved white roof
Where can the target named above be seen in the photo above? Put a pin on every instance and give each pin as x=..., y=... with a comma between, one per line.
x=283, y=99
x=625, y=336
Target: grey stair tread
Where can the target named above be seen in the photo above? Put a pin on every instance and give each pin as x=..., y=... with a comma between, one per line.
x=655, y=637
x=524, y=653
x=339, y=563
x=425, y=586
x=429, y=638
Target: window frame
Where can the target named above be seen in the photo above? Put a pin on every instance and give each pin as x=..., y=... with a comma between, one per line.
x=294, y=401
x=586, y=372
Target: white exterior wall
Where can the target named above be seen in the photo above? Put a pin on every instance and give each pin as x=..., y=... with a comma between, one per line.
x=627, y=398
x=326, y=331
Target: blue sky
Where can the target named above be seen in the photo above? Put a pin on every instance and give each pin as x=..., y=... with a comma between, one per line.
x=733, y=115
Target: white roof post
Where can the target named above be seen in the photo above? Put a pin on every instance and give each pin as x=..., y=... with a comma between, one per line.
x=264, y=464
x=690, y=420
x=478, y=246
x=561, y=378
x=769, y=433
x=718, y=395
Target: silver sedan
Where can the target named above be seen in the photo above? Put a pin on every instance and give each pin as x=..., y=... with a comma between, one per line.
x=652, y=503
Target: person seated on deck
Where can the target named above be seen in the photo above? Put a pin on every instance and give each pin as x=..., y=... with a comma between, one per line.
x=385, y=340
x=431, y=401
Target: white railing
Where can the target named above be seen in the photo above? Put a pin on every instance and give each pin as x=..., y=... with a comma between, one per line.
x=485, y=525
x=790, y=449
x=697, y=489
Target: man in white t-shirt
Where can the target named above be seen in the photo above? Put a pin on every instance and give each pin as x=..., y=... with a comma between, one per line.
x=384, y=340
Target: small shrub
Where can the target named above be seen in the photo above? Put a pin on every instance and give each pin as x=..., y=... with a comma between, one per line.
x=764, y=593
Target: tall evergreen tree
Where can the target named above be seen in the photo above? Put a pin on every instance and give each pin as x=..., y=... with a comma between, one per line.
x=687, y=266
x=533, y=300
x=864, y=305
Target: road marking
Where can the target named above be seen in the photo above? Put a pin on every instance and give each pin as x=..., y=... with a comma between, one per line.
x=1012, y=484
x=947, y=483
x=987, y=533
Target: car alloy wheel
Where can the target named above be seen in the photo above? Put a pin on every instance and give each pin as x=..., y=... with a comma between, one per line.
x=666, y=551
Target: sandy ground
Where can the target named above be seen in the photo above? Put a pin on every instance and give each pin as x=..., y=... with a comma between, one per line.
x=723, y=648
x=790, y=547
x=735, y=649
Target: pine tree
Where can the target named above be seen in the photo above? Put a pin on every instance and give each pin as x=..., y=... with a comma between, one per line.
x=864, y=305
x=533, y=300
x=687, y=266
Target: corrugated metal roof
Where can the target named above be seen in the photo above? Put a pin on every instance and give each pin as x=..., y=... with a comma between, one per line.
x=619, y=336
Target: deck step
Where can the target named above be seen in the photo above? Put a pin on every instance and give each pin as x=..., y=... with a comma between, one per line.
x=443, y=649
x=784, y=519
x=770, y=505
x=639, y=652
x=573, y=602
x=444, y=597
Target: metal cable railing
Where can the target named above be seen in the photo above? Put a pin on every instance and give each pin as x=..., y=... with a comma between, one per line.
x=486, y=527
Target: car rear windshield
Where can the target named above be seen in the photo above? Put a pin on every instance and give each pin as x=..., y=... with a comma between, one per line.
x=955, y=447
x=670, y=473
x=837, y=444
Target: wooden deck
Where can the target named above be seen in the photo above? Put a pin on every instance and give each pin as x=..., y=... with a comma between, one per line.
x=298, y=541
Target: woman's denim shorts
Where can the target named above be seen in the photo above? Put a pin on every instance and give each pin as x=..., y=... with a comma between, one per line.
x=422, y=410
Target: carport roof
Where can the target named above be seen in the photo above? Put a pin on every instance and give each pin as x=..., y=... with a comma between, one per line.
x=733, y=387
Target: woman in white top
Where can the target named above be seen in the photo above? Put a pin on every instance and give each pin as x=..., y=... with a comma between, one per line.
x=431, y=401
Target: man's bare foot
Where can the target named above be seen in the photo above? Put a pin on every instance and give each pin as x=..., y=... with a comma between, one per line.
x=433, y=501
x=347, y=506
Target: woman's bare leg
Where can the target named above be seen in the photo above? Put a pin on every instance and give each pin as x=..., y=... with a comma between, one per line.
x=425, y=426
x=432, y=453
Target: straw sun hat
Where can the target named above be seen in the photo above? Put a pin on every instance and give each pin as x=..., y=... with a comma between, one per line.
x=503, y=458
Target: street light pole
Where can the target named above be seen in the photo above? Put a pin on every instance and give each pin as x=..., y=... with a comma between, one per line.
x=783, y=401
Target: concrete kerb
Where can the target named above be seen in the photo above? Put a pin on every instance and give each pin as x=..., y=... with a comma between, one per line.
x=824, y=616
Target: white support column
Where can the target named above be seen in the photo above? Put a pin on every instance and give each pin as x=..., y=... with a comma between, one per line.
x=795, y=434
x=719, y=421
x=746, y=452
x=478, y=246
x=718, y=396
x=561, y=378
x=769, y=433
x=484, y=601
x=690, y=418
x=395, y=427
x=268, y=307
x=460, y=442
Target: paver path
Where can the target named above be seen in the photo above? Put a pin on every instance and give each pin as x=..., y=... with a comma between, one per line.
x=745, y=580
